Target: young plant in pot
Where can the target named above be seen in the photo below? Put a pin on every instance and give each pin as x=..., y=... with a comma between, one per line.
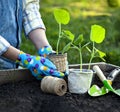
x=59, y=58
x=79, y=80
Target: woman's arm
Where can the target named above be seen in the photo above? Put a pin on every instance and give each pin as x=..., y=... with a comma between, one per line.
x=11, y=53
x=7, y=50
x=38, y=37
x=33, y=24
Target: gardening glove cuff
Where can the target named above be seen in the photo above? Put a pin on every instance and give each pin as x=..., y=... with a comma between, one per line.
x=67, y=69
x=38, y=65
x=44, y=51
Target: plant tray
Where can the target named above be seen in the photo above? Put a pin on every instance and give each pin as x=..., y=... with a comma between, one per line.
x=15, y=75
x=105, y=67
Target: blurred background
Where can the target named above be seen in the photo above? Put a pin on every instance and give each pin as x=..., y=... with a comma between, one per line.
x=83, y=14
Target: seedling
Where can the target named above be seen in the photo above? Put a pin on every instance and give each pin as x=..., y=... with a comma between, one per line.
x=62, y=17
x=97, y=35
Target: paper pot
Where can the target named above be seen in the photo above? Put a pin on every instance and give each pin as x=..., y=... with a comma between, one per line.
x=79, y=81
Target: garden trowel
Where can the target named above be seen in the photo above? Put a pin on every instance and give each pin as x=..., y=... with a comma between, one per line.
x=96, y=91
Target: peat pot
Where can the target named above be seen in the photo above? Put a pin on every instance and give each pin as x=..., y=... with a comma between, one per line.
x=79, y=81
x=60, y=60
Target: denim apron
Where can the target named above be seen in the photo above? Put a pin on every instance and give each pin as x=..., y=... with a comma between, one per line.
x=10, y=27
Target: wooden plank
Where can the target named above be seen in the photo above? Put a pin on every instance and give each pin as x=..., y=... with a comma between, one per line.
x=15, y=75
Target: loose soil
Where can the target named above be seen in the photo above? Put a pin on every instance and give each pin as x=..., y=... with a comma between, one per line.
x=26, y=96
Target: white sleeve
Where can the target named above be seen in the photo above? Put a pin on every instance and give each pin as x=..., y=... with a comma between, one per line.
x=4, y=45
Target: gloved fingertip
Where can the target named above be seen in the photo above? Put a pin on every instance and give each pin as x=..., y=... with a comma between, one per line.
x=45, y=50
x=62, y=74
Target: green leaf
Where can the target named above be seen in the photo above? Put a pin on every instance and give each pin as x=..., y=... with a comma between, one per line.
x=79, y=39
x=61, y=16
x=66, y=48
x=101, y=54
x=97, y=33
x=68, y=34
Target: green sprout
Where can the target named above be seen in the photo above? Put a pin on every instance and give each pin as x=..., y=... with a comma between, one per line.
x=62, y=16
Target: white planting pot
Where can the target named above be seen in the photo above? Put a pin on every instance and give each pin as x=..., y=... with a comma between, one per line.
x=79, y=81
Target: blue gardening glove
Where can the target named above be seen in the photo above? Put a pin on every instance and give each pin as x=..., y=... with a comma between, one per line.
x=38, y=65
x=44, y=51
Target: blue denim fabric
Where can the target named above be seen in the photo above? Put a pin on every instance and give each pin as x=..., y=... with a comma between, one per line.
x=10, y=26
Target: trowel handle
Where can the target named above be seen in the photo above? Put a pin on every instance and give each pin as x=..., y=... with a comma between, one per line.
x=99, y=73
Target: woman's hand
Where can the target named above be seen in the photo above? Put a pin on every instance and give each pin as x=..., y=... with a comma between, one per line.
x=38, y=65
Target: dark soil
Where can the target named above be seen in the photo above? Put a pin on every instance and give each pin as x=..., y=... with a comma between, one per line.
x=26, y=96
